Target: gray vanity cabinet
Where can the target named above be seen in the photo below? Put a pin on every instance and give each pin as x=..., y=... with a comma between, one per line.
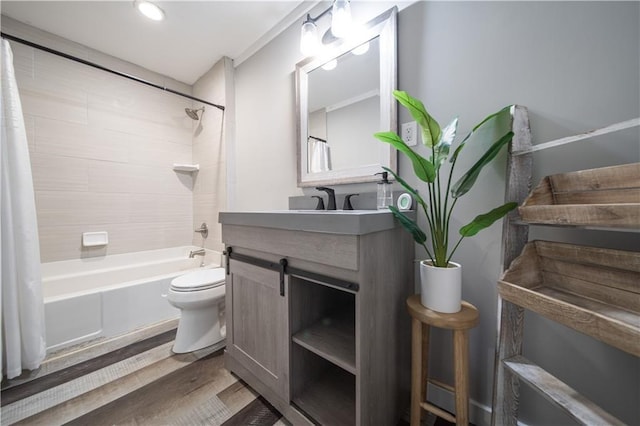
x=257, y=325
x=325, y=339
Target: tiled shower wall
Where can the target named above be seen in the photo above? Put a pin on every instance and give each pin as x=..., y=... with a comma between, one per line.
x=102, y=149
x=209, y=191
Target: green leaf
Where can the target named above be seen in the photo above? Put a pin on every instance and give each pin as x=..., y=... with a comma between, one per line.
x=464, y=184
x=444, y=144
x=430, y=127
x=488, y=124
x=485, y=220
x=419, y=236
x=422, y=167
x=406, y=186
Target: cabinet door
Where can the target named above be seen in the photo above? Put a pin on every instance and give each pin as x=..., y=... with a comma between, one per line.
x=257, y=326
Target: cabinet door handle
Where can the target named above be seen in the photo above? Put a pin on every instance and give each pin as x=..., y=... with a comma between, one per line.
x=283, y=267
x=227, y=253
x=280, y=267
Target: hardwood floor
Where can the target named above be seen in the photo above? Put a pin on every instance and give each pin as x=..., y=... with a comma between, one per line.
x=134, y=382
x=135, y=379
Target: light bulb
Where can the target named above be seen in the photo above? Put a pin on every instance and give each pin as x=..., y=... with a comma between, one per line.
x=309, y=38
x=332, y=64
x=340, y=18
x=149, y=10
x=361, y=50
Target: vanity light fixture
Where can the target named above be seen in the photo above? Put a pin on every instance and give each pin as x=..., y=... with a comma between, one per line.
x=340, y=26
x=309, y=42
x=150, y=10
x=340, y=18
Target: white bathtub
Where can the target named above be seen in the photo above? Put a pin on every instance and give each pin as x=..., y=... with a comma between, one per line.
x=106, y=296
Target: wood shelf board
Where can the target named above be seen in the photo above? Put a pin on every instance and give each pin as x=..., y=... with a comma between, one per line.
x=608, y=196
x=602, y=215
x=577, y=406
x=331, y=400
x=611, y=324
x=593, y=290
x=332, y=338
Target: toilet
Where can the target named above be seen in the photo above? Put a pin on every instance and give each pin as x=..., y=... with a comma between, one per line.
x=199, y=295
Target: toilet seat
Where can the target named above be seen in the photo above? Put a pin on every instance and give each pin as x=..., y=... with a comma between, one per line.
x=199, y=280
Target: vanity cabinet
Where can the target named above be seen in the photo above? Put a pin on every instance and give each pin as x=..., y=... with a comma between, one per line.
x=316, y=320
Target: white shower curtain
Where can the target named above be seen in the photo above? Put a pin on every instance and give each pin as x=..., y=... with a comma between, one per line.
x=22, y=307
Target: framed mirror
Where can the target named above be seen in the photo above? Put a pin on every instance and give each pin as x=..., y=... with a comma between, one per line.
x=343, y=97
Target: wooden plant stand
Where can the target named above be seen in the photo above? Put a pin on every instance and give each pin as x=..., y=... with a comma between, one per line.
x=460, y=323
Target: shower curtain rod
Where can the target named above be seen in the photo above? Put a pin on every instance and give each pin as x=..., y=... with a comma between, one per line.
x=100, y=67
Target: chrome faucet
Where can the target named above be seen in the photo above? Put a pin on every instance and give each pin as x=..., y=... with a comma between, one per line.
x=194, y=253
x=203, y=230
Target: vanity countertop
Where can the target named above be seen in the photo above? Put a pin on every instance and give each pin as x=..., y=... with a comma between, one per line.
x=349, y=222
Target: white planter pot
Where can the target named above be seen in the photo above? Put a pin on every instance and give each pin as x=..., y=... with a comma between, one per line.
x=441, y=288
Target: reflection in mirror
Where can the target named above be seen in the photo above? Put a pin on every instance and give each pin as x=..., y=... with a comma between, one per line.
x=343, y=98
x=344, y=111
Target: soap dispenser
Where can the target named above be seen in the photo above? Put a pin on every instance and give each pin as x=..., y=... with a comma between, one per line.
x=385, y=192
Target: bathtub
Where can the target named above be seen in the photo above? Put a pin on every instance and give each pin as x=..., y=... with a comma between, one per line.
x=85, y=299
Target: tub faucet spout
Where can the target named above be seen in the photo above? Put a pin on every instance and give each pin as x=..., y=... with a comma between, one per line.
x=194, y=253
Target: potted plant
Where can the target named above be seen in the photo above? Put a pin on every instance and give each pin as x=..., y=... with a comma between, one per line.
x=441, y=279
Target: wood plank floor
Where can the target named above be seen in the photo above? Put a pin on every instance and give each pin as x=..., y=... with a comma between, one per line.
x=135, y=379
x=141, y=383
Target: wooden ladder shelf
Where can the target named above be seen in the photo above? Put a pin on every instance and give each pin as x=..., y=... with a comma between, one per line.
x=592, y=290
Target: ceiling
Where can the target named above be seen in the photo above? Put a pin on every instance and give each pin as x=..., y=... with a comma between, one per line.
x=191, y=39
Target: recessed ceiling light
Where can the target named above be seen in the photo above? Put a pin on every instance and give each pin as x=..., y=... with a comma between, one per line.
x=150, y=10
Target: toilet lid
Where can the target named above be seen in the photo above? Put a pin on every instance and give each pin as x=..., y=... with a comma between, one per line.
x=199, y=280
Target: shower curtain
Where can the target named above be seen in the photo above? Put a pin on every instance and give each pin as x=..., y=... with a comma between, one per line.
x=21, y=303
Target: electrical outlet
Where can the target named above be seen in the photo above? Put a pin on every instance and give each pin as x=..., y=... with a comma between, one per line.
x=409, y=133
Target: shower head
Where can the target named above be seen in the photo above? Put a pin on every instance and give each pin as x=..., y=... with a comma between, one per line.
x=193, y=113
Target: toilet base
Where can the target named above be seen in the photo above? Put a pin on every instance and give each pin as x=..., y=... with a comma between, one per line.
x=197, y=329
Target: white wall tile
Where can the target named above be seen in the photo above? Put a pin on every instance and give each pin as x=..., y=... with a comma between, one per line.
x=134, y=237
x=56, y=70
x=145, y=208
x=111, y=116
x=61, y=242
x=158, y=152
x=177, y=233
x=30, y=127
x=23, y=61
x=111, y=177
x=75, y=140
x=65, y=241
x=55, y=102
x=84, y=208
x=209, y=191
x=209, y=178
x=55, y=173
x=103, y=148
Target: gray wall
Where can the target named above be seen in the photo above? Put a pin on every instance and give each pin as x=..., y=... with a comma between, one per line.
x=574, y=65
